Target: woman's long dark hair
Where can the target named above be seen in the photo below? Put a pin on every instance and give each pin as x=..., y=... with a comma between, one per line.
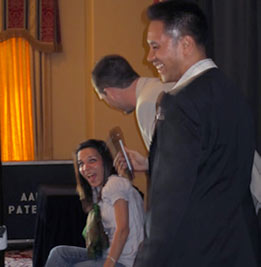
x=83, y=187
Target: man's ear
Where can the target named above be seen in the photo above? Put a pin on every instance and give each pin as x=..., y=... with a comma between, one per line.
x=109, y=91
x=187, y=43
x=106, y=91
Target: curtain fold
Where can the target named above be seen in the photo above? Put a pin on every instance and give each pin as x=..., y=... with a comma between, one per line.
x=17, y=139
x=235, y=28
x=42, y=108
x=35, y=20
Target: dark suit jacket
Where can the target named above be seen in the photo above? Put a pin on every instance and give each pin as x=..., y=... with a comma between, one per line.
x=202, y=214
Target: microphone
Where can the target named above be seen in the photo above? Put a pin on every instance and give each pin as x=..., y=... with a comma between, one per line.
x=117, y=140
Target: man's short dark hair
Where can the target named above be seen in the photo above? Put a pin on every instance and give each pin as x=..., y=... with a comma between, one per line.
x=113, y=71
x=185, y=17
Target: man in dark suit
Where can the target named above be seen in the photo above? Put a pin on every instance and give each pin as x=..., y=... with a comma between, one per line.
x=201, y=211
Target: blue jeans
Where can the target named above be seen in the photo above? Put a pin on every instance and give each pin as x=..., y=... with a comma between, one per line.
x=71, y=256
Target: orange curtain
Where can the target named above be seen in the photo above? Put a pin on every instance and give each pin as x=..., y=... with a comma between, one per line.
x=38, y=23
x=17, y=139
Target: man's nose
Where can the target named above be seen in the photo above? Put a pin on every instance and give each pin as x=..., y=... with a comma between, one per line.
x=151, y=56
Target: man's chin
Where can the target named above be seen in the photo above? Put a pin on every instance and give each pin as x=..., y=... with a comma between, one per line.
x=164, y=79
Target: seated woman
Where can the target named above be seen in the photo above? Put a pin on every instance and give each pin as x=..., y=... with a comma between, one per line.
x=121, y=210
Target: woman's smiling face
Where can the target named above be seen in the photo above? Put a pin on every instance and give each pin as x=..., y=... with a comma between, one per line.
x=91, y=166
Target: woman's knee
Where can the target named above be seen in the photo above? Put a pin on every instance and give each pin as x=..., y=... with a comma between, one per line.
x=58, y=252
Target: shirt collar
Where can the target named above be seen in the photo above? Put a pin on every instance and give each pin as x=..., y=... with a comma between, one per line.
x=196, y=69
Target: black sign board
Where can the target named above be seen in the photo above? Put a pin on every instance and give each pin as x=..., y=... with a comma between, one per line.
x=21, y=181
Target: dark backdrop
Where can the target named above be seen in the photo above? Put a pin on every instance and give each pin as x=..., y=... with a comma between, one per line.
x=235, y=40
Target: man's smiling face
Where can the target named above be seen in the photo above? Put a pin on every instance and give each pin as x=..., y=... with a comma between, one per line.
x=165, y=52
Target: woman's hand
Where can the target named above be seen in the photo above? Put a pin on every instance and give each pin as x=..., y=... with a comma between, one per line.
x=138, y=162
x=109, y=263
